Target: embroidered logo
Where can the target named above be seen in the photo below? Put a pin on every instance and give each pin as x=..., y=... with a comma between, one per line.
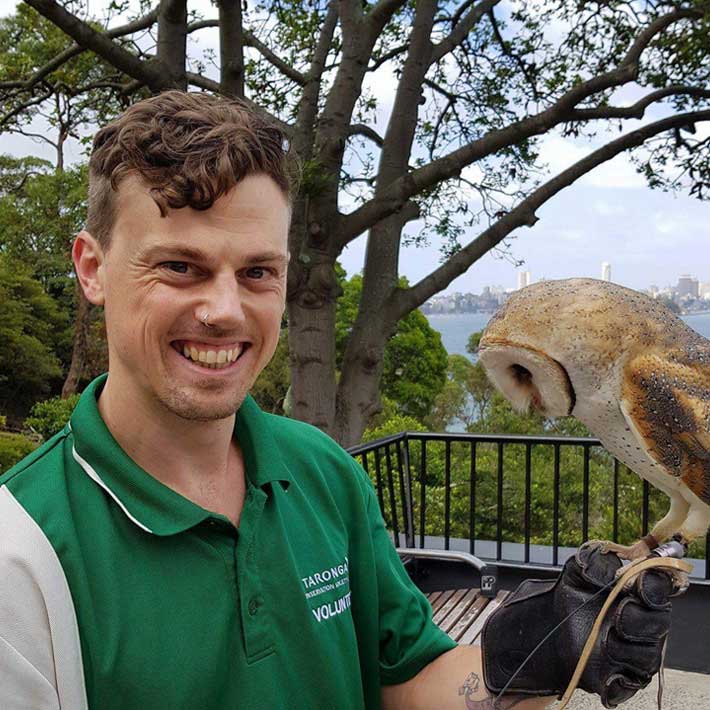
x=327, y=580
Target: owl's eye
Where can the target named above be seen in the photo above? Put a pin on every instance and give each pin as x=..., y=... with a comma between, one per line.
x=521, y=374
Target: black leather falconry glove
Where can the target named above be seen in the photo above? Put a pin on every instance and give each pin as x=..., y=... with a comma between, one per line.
x=627, y=653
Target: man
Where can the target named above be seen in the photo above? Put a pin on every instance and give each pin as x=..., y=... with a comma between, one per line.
x=175, y=547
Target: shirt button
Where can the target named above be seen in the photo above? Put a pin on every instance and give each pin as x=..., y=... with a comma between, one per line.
x=253, y=606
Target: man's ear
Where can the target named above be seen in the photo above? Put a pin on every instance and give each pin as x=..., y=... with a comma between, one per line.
x=88, y=259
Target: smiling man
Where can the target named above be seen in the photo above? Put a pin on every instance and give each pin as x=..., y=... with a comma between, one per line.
x=175, y=547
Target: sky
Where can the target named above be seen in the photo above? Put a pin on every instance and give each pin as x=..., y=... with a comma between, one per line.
x=609, y=215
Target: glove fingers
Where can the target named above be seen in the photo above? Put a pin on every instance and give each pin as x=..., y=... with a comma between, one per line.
x=618, y=689
x=591, y=568
x=641, y=660
x=636, y=622
x=656, y=587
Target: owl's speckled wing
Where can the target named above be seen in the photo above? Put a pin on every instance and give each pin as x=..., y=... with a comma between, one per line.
x=666, y=401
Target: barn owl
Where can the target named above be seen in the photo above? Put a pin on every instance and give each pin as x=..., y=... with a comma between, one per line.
x=630, y=370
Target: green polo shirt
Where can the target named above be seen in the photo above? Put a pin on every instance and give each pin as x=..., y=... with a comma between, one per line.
x=117, y=593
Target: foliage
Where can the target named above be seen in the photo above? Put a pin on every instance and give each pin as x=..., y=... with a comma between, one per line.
x=30, y=322
x=271, y=387
x=13, y=448
x=40, y=213
x=83, y=90
x=414, y=367
x=49, y=416
x=475, y=93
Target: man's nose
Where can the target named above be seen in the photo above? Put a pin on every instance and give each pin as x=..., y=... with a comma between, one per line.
x=222, y=306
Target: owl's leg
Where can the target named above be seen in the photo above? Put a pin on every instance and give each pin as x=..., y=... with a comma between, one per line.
x=696, y=524
x=669, y=524
x=664, y=528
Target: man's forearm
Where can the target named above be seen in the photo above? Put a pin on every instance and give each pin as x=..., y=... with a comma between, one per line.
x=453, y=681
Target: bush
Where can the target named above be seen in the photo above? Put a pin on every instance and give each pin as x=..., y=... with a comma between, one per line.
x=49, y=416
x=13, y=448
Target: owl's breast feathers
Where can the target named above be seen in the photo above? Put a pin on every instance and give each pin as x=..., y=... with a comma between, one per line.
x=666, y=398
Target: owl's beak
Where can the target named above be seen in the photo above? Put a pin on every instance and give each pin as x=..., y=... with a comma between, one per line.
x=528, y=378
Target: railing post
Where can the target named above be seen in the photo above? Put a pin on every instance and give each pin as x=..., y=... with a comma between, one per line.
x=403, y=461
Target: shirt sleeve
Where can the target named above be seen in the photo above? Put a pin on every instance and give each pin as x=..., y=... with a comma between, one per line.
x=40, y=657
x=409, y=639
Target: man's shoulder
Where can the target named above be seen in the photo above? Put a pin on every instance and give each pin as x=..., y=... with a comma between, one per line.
x=307, y=448
x=295, y=433
x=48, y=456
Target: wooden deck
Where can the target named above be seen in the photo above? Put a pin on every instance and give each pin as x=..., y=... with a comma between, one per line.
x=462, y=612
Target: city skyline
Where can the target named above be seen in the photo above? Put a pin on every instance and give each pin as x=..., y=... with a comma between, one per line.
x=688, y=291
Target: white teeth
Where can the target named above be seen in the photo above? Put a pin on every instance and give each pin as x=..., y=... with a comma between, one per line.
x=213, y=359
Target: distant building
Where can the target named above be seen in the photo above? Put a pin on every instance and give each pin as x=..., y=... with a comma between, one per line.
x=606, y=271
x=688, y=286
x=705, y=289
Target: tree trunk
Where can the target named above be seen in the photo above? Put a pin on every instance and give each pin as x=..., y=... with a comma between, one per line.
x=311, y=328
x=81, y=339
x=358, y=396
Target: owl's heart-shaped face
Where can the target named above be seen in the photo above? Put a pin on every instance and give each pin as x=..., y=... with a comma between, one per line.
x=528, y=378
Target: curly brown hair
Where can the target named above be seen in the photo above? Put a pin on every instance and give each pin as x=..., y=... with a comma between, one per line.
x=189, y=147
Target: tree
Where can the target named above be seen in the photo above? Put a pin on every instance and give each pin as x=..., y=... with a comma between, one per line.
x=29, y=323
x=414, y=362
x=477, y=84
x=40, y=211
x=67, y=90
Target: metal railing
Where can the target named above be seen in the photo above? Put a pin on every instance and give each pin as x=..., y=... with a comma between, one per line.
x=509, y=498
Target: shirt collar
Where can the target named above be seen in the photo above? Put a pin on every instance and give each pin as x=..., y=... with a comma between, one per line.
x=148, y=503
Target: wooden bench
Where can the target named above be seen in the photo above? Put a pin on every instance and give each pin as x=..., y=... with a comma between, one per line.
x=461, y=613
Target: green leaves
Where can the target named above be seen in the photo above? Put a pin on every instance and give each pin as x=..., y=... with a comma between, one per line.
x=29, y=322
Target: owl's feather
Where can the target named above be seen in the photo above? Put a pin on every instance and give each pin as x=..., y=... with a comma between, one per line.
x=667, y=404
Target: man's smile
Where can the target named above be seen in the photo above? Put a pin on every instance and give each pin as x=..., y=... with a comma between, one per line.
x=207, y=355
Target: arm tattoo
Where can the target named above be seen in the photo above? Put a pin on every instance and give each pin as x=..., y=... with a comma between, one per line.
x=470, y=688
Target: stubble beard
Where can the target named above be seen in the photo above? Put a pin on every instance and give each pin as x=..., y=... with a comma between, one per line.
x=185, y=405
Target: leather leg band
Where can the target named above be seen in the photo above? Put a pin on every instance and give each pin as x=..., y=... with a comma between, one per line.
x=651, y=541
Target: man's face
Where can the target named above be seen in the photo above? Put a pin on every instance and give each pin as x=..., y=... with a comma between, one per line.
x=162, y=276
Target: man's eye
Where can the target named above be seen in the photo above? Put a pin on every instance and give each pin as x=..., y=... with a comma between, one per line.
x=178, y=267
x=256, y=272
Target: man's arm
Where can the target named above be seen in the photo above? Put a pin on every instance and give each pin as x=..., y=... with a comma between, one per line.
x=453, y=681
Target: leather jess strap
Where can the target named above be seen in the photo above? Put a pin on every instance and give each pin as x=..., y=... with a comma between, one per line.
x=625, y=579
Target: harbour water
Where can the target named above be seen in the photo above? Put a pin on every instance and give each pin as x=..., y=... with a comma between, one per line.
x=455, y=328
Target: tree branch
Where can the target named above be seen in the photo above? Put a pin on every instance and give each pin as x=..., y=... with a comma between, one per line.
x=462, y=28
x=518, y=60
x=23, y=106
x=394, y=196
x=360, y=129
x=638, y=109
x=250, y=40
x=381, y=13
x=387, y=56
x=153, y=75
x=231, y=48
x=172, y=40
x=141, y=23
x=405, y=300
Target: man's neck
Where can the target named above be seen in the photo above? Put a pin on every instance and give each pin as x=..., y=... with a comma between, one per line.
x=180, y=453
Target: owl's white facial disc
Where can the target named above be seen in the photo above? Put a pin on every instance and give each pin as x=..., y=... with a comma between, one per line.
x=528, y=378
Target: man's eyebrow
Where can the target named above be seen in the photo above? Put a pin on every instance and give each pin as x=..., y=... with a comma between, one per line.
x=276, y=256
x=173, y=251
x=177, y=252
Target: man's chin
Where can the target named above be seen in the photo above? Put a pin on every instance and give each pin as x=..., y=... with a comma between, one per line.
x=197, y=409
